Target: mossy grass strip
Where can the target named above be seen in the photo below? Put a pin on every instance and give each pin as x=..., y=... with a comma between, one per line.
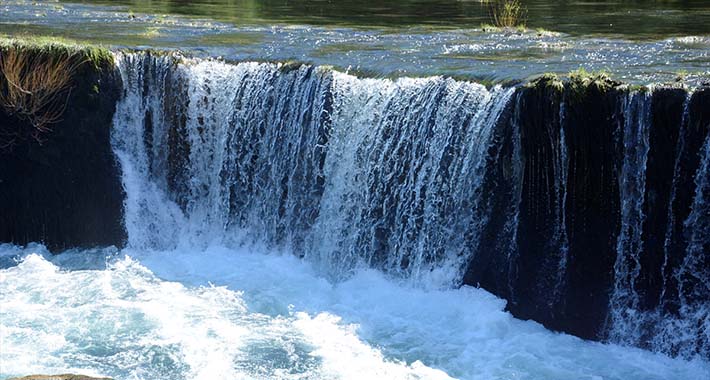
x=582, y=81
x=547, y=81
x=99, y=57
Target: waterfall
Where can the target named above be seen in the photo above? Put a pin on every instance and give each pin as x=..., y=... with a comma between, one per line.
x=404, y=172
x=694, y=274
x=560, y=239
x=687, y=331
x=678, y=322
x=624, y=300
x=435, y=182
x=151, y=219
x=344, y=171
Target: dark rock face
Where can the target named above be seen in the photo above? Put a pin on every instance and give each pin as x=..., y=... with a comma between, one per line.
x=569, y=209
x=67, y=191
x=560, y=266
x=591, y=209
x=540, y=241
x=667, y=110
x=690, y=140
x=489, y=266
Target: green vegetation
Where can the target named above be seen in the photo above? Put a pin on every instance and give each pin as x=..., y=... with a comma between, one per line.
x=542, y=32
x=36, y=78
x=489, y=28
x=581, y=81
x=637, y=88
x=600, y=79
x=576, y=84
x=547, y=80
x=508, y=13
x=99, y=57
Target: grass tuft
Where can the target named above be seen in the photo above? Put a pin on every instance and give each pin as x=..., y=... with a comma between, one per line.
x=581, y=81
x=36, y=78
x=98, y=56
x=547, y=80
x=508, y=13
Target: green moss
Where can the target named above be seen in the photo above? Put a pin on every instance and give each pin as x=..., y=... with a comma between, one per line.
x=638, y=88
x=99, y=57
x=581, y=81
x=518, y=29
x=578, y=83
x=289, y=66
x=542, y=32
x=547, y=80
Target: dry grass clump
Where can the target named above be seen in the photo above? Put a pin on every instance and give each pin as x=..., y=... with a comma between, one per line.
x=507, y=13
x=35, y=85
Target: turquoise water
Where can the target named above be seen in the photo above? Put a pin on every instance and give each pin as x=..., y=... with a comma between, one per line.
x=222, y=313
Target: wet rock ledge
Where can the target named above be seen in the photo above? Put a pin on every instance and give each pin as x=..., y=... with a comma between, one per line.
x=61, y=186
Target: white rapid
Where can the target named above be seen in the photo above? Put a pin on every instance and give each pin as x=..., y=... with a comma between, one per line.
x=250, y=313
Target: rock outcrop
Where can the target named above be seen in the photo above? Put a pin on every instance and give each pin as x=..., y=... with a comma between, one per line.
x=65, y=191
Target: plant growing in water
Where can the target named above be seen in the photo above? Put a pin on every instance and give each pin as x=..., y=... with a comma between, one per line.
x=507, y=13
x=34, y=87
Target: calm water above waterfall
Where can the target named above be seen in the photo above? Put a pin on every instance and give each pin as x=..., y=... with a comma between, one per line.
x=672, y=41
x=650, y=18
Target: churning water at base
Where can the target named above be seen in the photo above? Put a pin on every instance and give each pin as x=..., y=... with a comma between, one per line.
x=250, y=314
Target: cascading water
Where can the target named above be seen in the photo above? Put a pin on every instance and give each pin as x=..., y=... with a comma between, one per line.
x=678, y=324
x=403, y=175
x=354, y=173
x=244, y=148
x=624, y=300
x=342, y=170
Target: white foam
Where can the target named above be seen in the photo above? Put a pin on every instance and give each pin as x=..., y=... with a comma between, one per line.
x=245, y=314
